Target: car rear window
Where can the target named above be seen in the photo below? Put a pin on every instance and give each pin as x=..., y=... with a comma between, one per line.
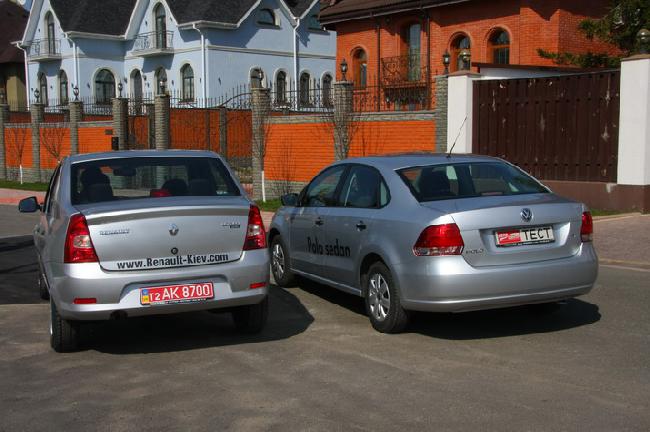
x=151, y=177
x=465, y=180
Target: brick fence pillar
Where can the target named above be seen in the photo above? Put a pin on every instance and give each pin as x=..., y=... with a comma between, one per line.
x=38, y=112
x=76, y=115
x=121, y=121
x=343, y=116
x=223, y=132
x=161, y=122
x=440, y=114
x=261, y=108
x=4, y=118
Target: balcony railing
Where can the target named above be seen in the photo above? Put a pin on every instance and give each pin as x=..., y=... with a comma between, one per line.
x=154, y=43
x=45, y=49
x=402, y=70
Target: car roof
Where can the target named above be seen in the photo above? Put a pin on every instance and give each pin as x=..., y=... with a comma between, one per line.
x=139, y=153
x=404, y=160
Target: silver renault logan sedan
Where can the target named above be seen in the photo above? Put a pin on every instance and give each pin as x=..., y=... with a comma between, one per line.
x=126, y=234
x=434, y=233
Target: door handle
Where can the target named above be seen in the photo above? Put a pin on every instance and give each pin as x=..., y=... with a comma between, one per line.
x=319, y=222
x=361, y=226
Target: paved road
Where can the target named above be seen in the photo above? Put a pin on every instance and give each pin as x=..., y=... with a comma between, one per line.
x=320, y=366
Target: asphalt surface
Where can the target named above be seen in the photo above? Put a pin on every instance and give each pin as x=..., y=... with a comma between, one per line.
x=320, y=366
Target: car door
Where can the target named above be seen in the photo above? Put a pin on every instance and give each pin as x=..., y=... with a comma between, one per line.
x=43, y=230
x=362, y=194
x=307, y=224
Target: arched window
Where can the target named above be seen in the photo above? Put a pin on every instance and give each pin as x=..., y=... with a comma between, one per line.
x=412, y=42
x=266, y=17
x=161, y=80
x=136, y=84
x=63, y=87
x=281, y=87
x=460, y=43
x=104, y=86
x=327, y=90
x=304, y=88
x=42, y=89
x=360, y=68
x=161, y=26
x=257, y=76
x=499, y=46
x=51, y=35
x=187, y=77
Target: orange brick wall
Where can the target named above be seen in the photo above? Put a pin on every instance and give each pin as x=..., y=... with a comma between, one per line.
x=94, y=139
x=54, y=141
x=532, y=24
x=11, y=136
x=297, y=152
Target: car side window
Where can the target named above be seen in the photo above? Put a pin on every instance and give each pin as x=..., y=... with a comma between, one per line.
x=321, y=192
x=361, y=188
x=54, y=182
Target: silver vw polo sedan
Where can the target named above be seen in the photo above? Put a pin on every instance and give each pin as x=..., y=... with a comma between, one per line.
x=135, y=233
x=434, y=233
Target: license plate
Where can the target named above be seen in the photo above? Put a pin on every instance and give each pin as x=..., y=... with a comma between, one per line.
x=185, y=293
x=524, y=236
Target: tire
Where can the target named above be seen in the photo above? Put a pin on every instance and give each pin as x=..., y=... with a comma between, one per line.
x=251, y=319
x=383, y=304
x=43, y=292
x=64, y=334
x=280, y=263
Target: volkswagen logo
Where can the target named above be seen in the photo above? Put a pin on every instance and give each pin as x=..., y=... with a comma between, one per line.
x=526, y=215
x=173, y=229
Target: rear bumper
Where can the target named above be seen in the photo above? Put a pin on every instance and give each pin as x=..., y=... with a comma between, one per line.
x=120, y=291
x=449, y=284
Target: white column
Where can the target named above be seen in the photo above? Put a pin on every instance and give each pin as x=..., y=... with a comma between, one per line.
x=634, y=123
x=459, y=114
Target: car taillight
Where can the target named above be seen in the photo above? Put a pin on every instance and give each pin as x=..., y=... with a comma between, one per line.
x=587, y=227
x=255, y=233
x=78, y=245
x=437, y=240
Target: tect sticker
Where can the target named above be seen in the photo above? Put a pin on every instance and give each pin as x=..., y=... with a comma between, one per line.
x=327, y=249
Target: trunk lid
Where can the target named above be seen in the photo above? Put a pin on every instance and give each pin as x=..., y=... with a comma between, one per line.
x=480, y=218
x=172, y=232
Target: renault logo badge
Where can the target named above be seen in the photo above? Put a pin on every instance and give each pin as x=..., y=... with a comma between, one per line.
x=526, y=215
x=173, y=229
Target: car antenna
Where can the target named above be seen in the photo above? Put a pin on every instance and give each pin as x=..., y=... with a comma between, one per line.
x=457, y=136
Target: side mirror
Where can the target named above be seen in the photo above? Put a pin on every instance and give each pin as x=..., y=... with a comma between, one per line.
x=289, y=200
x=28, y=205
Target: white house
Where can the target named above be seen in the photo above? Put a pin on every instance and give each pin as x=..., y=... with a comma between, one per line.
x=200, y=49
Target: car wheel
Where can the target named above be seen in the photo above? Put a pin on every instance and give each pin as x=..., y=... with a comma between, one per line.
x=42, y=287
x=280, y=263
x=251, y=319
x=383, y=305
x=64, y=334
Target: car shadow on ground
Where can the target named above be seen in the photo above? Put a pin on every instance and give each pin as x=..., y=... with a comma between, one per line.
x=178, y=332
x=196, y=330
x=493, y=323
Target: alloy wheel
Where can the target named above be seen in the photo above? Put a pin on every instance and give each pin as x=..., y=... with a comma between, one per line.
x=278, y=261
x=378, y=297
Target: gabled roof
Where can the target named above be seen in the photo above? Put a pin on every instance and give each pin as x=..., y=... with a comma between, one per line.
x=112, y=17
x=108, y=17
x=333, y=11
x=225, y=11
x=13, y=20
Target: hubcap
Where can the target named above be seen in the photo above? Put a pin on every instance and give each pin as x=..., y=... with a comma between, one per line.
x=378, y=297
x=278, y=261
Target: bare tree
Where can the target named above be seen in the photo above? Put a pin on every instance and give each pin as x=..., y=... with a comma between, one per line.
x=16, y=147
x=52, y=139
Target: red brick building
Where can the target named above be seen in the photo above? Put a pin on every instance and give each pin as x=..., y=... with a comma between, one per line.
x=403, y=41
